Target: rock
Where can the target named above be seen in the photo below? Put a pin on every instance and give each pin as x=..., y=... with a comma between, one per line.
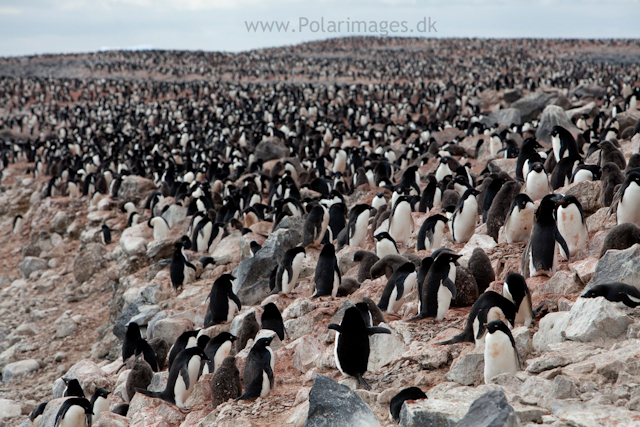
x=19, y=369
x=584, y=269
x=170, y=329
x=304, y=325
x=550, y=330
x=524, y=344
x=587, y=193
x=562, y=283
x=508, y=116
x=467, y=369
x=547, y=361
x=133, y=245
x=90, y=376
x=89, y=260
x=490, y=410
x=618, y=266
x=109, y=419
x=306, y=351
x=252, y=275
x=271, y=149
x=163, y=248
x=511, y=95
x=60, y=222
x=580, y=414
x=553, y=115
x=228, y=250
x=9, y=409
x=66, y=327
x=628, y=119
x=385, y=348
x=532, y=104
x=563, y=388
x=135, y=188
x=333, y=404
x=31, y=264
x=590, y=109
x=432, y=413
x=591, y=91
x=175, y=214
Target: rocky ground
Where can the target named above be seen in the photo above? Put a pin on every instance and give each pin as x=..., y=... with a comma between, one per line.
x=65, y=299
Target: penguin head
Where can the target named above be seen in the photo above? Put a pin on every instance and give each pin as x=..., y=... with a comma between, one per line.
x=521, y=201
x=565, y=201
x=101, y=392
x=203, y=340
x=226, y=280
x=591, y=293
x=537, y=167
x=264, y=342
x=383, y=235
x=186, y=242
x=498, y=326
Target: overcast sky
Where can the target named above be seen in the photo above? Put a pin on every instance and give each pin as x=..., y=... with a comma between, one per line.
x=55, y=26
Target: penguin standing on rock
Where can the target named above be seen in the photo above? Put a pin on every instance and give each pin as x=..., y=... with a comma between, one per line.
x=431, y=232
x=315, y=226
x=160, y=227
x=73, y=387
x=289, y=270
x=186, y=340
x=181, y=270
x=352, y=344
x=258, y=370
x=515, y=289
x=537, y=182
x=183, y=376
x=500, y=354
x=385, y=245
x=519, y=221
x=400, y=221
x=628, y=200
x=327, y=276
x=99, y=403
x=572, y=225
x=439, y=287
x=465, y=217
x=223, y=303
x=131, y=338
x=36, y=414
x=540, y=257
x=400, y=284
x=74, y=412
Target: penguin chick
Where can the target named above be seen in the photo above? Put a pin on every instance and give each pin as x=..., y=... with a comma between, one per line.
x=140, y=376
x=480, y=267
x=367, y=260
x=248, y=330
x=225, y=383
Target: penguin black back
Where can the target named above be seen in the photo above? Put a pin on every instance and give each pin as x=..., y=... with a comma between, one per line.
x=616, y=292
x=185, y=340
x=131, y=338
x=410, y=393
x=259, y=364
x=73, y=388
x=73, y=410
x=327, y=275
x=223, y=303
x=272, y=319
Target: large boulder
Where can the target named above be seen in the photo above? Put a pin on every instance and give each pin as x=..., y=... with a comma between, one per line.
x=89, y=260
x=551, y=116
x=336, y=405
x=490, y=410
x=31, y=264
x=532, y=104
x=618, y=266
x=508, y=117
x=135, y=188
x=19, y=369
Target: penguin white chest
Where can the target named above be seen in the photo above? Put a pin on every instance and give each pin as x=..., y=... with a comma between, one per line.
x=537, y=185
x=336, y=284
x=555, y=143
x=583, y=175
x=360, y=232
x=401, y=224
x=444, y=301
x=223, y=351
x=100, y=405
x=629, y=205
x=436, y=238
x=464, y=223
x=231, y=310
x=442, y=171
x=385, y=247
x=572, y=228
x=520, y=224
x=335, y=353
x=499, y=356
x=75, y=417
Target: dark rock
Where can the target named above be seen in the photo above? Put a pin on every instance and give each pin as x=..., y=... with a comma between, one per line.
x=583, y=91
x=508, y=116
x=490, y=410
x=336, y=405
x=135, y=188
x=512, y=95
x=89, y=260
x=551, y=116
x=533, y=104
x=271, y=149
x=466, y=288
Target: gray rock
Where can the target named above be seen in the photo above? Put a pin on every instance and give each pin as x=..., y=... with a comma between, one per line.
x=66, y=327
x=563, y=388
x=171, y=328
x=432, y=413
x=9, y=409
x=19, y=369
x=491, y=410
x=271, y=149
x=551, y=116
x=336, y=405
x=467, y=369
x=546, y=362
x=60, y=222
x=31, y=264
x=618, y=266
x=511, y=95
x=228, y=250
x=532, y=104
x=508, y=116
x=587, y=193
x=385, y=348
x=175, y=214
x=139, y=312
x=589, y=415
x=135, y=188
x=583, y=91
x=89, y=260
x=252, y=275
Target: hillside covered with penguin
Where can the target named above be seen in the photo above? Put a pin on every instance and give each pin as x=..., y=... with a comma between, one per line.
x=351, y=232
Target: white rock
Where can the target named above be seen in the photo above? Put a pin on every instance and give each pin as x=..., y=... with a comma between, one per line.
x=19, y=369
x=9, y=409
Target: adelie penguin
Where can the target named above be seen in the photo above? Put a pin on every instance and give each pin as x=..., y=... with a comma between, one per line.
x=187, y=339
x=272, y=319
x=74, y=412
x=358, y=225
x=352, y=344
x=621, y=293
x=160, y=227
x=385, y=245
x=183, y=376
x=540, y=257
x=465, y=217
x=439, y=287
x=400, y=221
x=223, y=303
x=515, y=289
x=258, y=370
x=327, y=276
x=519, y=221
x=395, y=406
x=315, y=226
x=17, y=224
x=289, y=270
x=181, y=270
x=628, y=200
x=488, y=307
x=400, y=284
x=572, y=225
x=500, y=354
x=73, y=387
x=563, y=143
x=537, y=182
x=36, y=414
x=106, y=234
x=217, y=349
x=131, y=338
x=431, y=232
x=99, y=403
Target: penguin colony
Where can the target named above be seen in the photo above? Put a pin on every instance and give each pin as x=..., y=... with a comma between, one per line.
x=400, y=177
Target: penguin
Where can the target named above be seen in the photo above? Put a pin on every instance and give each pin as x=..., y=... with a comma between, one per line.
x=99, y=403
x=628, y=200
x=217, y=349
x=131, y=338
x=492, y=190
x=395, y=406
x=258, y=373
x=586, y=173
x=181, y=270
x=515, y=289
x=400, y=221
x=540, y=257
x=621, y=293
x=160, y=227
x=378, y=201
x=249, y=328
x=272, y=319
x=537, y=182
x=611, y=153
x=488, y=307
x=358, y=225
x=121, y=410
x=289, y=270
x=400, y=284
x=519, y=221
x=225, y=383
x=465, y=217
x=327, y=275
x=563, y=143
x=36, y=414
x=183, y=375
x=315, y=226
x=140, y=376
x=186, y=340
x=161, y=349
x=143, y=347
x=500, y=207
x=431, y=195
x=223, y=302
x=500, y=354
x=563, y=171
x=73, y=387
x=480, y=267
x=612, y=176
x=443, y=168
x=431, y=232
x=254, y=247
x=385, y=245
x=74, y=412
x=388, y=265
x=367, y=260
x=17, y=224
x=572, y=225
x=106, y=234
x=620, y=237
x=337, y=221
x=352, y=349
x=438, y=289
x=528, y=155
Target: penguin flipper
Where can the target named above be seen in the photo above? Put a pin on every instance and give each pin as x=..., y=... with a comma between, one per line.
x=628, y=300
x=362, y=382
x=377, y=330
x=451, y=286
x=235, y=299
x=562, y=243
x=184, y=373
x=155, y=394
x=188, y=264
x=269, y=372
x=335, y=327
x=164, y=262
x=463, y=337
